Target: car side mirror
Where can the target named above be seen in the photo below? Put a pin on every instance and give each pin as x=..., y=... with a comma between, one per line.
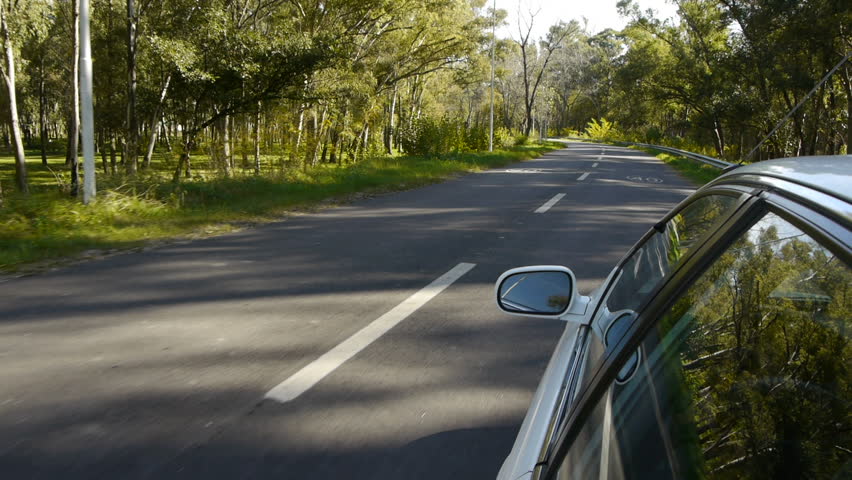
x=540, y=291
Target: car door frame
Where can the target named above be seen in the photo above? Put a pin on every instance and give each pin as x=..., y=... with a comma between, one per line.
x=804, y=214
x=575, y=369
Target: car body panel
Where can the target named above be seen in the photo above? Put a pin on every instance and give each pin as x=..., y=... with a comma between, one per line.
x=534, y=429
x=821, y=183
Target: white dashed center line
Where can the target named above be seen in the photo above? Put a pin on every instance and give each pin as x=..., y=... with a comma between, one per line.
x=315, y=371
x=550, y=203
x=594, y=165
x=583, y=177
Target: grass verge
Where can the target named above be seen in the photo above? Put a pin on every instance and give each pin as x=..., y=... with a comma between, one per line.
x=48, y=225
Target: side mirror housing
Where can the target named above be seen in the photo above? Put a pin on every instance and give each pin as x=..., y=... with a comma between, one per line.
x=538, y=291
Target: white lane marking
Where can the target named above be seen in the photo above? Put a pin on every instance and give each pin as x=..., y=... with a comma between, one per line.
x=583, y=177
x=315, y=371
x=594, y=165
x=550, y=203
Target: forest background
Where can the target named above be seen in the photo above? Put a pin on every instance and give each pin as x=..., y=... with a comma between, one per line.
x=213, y=112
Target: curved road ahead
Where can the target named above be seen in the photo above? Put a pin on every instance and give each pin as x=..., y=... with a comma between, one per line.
x=358, y=342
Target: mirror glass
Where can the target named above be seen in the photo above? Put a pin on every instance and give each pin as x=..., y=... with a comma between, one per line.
x=547, y=293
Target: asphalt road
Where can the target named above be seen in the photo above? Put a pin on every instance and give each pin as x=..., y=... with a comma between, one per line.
x=157, y=364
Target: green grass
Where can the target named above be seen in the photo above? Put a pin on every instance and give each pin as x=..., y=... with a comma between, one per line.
x=48, y=224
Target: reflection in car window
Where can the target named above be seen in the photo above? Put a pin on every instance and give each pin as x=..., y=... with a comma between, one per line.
x=746, y=376
x=661, y=253
x=652, y=262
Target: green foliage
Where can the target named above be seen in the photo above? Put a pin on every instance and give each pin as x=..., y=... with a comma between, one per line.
x=503, y=138
x=603, y=130
x=431, y=137
x=767, y=360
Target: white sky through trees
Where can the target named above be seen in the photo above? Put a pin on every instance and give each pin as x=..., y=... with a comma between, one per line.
x=601, y=14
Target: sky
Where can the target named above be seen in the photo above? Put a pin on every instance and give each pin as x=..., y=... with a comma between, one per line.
x=601, y=14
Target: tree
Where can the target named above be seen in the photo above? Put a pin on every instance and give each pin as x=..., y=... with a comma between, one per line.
x=8, y=8
x=535, y=62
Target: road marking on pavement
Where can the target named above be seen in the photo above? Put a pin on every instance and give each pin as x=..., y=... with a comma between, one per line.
x=594, y=165
x=315, y=371
x=550, y=203
x=583, y=177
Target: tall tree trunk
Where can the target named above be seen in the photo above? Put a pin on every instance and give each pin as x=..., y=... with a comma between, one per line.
x=847, y=88
x=104, y=149
x=153, y=126
x=167, y=134
x=226, y=145
x=130, y=162
x=719, y=136
x=42, y=112
x=320, y=136
x=113, y=168
x=185, y=162
x=257, y=140
x=8, y=72
x=299, y=127
x=391, y=125
x=74, y=115
x=815, y=122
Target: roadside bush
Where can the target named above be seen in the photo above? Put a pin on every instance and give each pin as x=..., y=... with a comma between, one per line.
x=653, y=135
x=430, y=137
x=503, y=138
x=603, y=130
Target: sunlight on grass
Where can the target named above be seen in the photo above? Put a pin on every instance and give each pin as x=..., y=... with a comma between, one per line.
x=48, y=224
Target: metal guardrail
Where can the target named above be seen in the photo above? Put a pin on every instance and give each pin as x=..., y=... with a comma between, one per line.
x=715, y=162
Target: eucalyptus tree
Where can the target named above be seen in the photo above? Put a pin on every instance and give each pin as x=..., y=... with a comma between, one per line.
x=241, y=58
x=682, y=63
x=535, y=61
x=15, y=16
x=783, y=49
x=571, y=81
x=42, y=78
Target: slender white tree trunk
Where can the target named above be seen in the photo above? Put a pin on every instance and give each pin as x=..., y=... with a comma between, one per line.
x=257, y=140
x=8, y=71
x=154, y=125
x=132, y=123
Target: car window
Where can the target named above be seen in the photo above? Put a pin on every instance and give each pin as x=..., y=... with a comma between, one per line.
x=747, y=375
x=648, y=265
x=658, y=256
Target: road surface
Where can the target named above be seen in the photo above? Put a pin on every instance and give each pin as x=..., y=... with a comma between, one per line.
x=358, y=342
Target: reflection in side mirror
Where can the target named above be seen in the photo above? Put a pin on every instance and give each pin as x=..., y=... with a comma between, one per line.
x=536, y=292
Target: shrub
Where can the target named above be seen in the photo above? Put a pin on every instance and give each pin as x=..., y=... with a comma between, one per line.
x=521, y=139
x=430, y=137
x=503, y=138
x=603, y=130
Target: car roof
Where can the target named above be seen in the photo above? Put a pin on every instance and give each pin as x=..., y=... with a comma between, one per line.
x=830, y=174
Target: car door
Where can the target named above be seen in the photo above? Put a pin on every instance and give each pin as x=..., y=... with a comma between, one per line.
x=641, y=271
x=738, y=367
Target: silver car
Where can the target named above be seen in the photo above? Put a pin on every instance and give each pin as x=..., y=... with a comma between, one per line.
x=718, y=347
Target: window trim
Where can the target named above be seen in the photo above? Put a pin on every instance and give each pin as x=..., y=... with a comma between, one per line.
x=808, y=220
x=744, y=215
x=741, y=197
